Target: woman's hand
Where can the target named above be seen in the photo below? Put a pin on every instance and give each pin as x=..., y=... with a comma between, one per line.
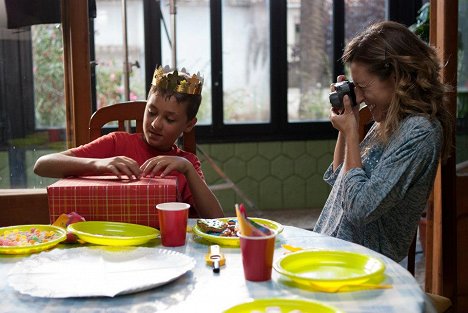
x=345, y=120
x=164, y=165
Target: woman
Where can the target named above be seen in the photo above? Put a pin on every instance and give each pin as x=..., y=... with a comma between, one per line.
x=381, y=185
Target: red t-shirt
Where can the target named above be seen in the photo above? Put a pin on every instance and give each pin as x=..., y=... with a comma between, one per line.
x=133, y=146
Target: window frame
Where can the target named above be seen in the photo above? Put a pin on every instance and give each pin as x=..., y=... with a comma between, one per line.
x=278, y=129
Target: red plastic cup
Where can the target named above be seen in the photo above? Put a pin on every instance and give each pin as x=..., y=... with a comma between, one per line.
x=257, y=256
x=173, y=223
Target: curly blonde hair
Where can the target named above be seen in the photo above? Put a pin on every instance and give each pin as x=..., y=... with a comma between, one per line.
x=388, y=48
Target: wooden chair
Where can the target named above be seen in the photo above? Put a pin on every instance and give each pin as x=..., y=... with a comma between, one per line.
x=365, y=123
x=124, y=113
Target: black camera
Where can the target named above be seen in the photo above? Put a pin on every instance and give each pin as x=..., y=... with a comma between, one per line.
x=342, y=88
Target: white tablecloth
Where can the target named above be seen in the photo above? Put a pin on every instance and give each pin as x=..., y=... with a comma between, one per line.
x=201, y=290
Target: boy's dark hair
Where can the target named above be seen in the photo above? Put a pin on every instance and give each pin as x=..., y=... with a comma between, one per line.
x=192, y=101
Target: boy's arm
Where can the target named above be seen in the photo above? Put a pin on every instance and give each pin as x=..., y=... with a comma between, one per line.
x=64, y=164
x=206, y=203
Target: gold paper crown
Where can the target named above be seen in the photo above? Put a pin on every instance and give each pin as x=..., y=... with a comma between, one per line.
x=170, y=80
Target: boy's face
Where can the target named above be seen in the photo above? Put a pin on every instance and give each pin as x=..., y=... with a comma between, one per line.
x=164, y=121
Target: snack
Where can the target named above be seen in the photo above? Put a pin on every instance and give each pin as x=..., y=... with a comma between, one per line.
x=30, y=237
x=211, y=225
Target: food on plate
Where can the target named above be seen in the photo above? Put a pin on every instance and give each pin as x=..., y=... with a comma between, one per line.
x=29, y=237
x=66, y=219
x=218, y=228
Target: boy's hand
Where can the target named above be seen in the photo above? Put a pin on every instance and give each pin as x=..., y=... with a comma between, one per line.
x=120, y=166
x=164, y=165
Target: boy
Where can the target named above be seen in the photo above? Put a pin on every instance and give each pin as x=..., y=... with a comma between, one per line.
x=171, y=109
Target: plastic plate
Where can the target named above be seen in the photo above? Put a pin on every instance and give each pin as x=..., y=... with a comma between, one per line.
x=26, y=249
x=113, y=233
x=234, y=241
x=329, y=268
x=282, y=305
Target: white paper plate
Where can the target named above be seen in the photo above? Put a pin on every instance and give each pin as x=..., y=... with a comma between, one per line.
x=97, y=271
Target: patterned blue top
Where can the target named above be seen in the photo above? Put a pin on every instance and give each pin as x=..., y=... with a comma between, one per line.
x=380, y=204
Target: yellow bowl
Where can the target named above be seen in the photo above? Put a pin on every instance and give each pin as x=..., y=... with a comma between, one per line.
x=113, y=233
x=234, y=241
x=285, y=305
x=26, y=249
x=329, y=268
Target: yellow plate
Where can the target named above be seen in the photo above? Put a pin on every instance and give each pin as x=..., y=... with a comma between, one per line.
x=26, y=249
x=282, y=305
x=329, y=269
x=234, y=241
x=113, y=233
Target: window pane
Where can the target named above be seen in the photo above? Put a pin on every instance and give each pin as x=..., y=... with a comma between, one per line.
x=246, y=61
x=462, y=105
x=309, y=25
x=109, y=49
x=359, y=14
x=32, y=106
x=192, y=44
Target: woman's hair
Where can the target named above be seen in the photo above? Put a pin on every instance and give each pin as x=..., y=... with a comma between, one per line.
x=388, y=48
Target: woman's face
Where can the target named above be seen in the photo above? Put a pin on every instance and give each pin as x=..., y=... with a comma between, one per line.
x=375, y=93
x=164, y=121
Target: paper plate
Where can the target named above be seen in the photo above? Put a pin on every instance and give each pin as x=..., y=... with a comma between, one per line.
x=26, y=249
x=97, y=271
x=329, y=268
x=282, y=305
x=113, y=233
x=234, y=241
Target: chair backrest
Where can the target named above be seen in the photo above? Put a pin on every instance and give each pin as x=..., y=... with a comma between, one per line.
x=123, y=113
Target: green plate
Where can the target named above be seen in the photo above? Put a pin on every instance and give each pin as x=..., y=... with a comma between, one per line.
x=26, y=249
x=113, y=233
x=234, y=241
x=283, y=306
x=329, y=268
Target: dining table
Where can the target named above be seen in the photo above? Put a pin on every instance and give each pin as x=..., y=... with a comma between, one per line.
x=203, y=290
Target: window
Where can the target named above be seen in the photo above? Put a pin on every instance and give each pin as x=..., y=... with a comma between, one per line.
x=110, y=52
x=264, y=78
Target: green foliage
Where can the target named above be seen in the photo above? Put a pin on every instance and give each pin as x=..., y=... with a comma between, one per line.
x=48, y=75
x=421, y=27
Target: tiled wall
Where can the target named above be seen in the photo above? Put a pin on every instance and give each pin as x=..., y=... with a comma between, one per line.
x=274, y=175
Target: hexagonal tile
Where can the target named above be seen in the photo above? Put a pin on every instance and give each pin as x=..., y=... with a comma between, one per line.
x=294, y=192
x=293, y=149
x=235, y=169
x=270, y=195
x=222, y=151
x=245, y=151
x=317, y=148
x=258, y=168
x=323, y=163
x=305, y=166
x=317, y=191
x=282, y=167
x=269, y=150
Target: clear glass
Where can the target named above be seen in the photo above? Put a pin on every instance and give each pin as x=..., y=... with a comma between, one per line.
x=246, y=61
x=309, y=59
x=462, y=88
x=360, y=14
x=193, y=45
x=33, y=106
x=109, y=50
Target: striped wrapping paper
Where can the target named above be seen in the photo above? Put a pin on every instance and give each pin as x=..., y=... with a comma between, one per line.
x=107, y=198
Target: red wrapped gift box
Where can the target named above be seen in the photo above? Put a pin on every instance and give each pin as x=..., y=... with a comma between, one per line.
x=107, y=198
